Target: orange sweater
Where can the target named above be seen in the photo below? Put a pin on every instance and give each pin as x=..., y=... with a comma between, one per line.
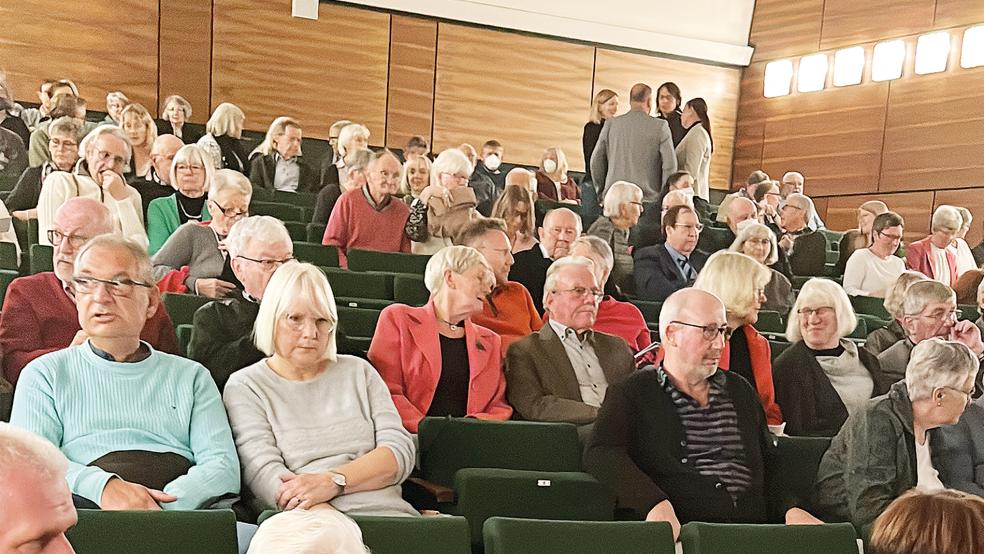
x=510, y=312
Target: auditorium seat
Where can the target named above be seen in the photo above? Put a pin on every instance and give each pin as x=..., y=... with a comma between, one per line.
x=41, y=258
x=770, y=322
x=160, y=532
x=299, y=199
x=507, y=535
x=797, y=460
x=296, y=229
x=969, y=312
x=316, y=253
x=650, y=311
x=871, y=306
x=261, y=195
x=410, y=290
x=393, y=262
x=378, y=286
x=8, y=256
x=357, y=325
x=717, y=538
x=283, y=212
x=6, y=277
x=182, y=307
x=778, y=347
x=314, y=232
x=184, y=332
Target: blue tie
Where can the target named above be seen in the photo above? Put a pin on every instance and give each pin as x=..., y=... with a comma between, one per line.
x=687, y=270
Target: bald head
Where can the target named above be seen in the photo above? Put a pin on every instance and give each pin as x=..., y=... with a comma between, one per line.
x=162, y=155
x=519, y=177
x=692, y=325
x=689, y=305
x=677, y=198
x=560, y=228
x=740, y=209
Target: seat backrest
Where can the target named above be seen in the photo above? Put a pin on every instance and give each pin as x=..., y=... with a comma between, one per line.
x=41, y=258
x=299, y=199
x=6, y=277
x=508, y=535
x=798, y=459
x=8, y=256
x=650, y=310
x=410, y=290
x=770, y=322
x=316, y=253
x=713, y=538
x=182, y=307
x=315, y=232
x=450, y=444
x=394, y=262
x=357, y=323
x=161, y=532
x=871, y=306
x=359, y=285
x=283, y=212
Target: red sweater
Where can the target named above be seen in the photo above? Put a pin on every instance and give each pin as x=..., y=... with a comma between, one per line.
x=622, y=319
x=39, y=317
x=354, y=223
x=514, y=315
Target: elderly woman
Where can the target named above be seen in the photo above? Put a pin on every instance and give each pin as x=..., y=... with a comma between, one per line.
x=193, y=259
x=63, y=146
x=871, y=271
x=140, y=128
x=621, y=319
x=932, y=256
x=351, y=137
x=603, y=108
x=435, y=361
x=552, y=181
x=177, y=112
x=312, y=426
x=222, y=139
x=757, y=241
x=191, y=173
x=693, y=152
x=278, y=163
x=934, y=521
x=62, y=105
x=880, y=340
x=856, y=239
x=823, y=377
x=115, y=102
x=739, y=281
x=622, y=209
x=965, y=258
x=444, y=207
x=515, y=206
x=884, y=449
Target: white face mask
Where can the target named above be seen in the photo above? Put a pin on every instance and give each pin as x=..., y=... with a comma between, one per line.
x=492, y=162
x=549, y=166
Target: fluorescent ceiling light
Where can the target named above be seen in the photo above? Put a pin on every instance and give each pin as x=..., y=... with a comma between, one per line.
x=972, y=50
x=887, y=60
x=812, y=73
x=778, y=78
x=932, y=52
x=848, y=66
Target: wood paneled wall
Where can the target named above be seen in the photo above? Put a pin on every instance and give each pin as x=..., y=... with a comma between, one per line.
x=915, y=143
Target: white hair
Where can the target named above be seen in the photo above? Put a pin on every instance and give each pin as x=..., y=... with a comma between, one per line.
x=921, y=294
x=20, y=448
x=818, y=293
x=261, y=228
x=180, y=101
x=796, y=174
x=348, y=133
x=936, y=363
x=451, y=161
x=946, y=218
x=751, y=229
x=224, y=119
x=291, y=281
x=550, y=285
x=680, y=197
x=456, y=259
x=802, y=202
x=231, y=179
x=116, y=95
x=192, y=153
x=308, y=532
x=530, y=177
x=599, y=248
x=106, y=129
x=620, y=192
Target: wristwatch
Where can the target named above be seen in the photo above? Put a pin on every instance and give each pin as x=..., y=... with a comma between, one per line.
x=339, y=480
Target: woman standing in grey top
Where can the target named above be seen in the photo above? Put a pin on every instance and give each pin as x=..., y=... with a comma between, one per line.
x=311, y=426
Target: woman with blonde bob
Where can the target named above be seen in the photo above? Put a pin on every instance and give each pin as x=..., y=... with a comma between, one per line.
x=757, y=241
x=312, y=426
x=515, y=206
x=881, y=339
x=222, y=138
x=177, y=112
x=934, y=522
x=823, y=377
x=885, y=448
x=622, y=209
x=552, y=181
x=141, y=130
x=416, y=177
x=434, y=359
x=191, y=175
x=444, y=207
x=115, y=102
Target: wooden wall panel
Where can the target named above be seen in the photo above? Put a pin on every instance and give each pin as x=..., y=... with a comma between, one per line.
x=914, y=207
x=271, y=64
x=102, y=45
x=186, y=54
x=848, y=22
x=958, y=12
x=717, y=85
x=410, y=108
x=750, y=127
x=536, y=96
x=973, y=200
x=785, y=28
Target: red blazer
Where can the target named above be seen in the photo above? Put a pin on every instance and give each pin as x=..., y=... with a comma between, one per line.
x=918, y=257
x=547, y=190
x=761, y=354
x=406, y=351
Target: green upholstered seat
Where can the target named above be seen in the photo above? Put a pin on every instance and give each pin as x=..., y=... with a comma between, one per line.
x=394, y=262
x=410, y=290
x=316, y=253
x=41, y=258
x=717, y=538
x=162, y=532
x=506, y=535
x=182, y=307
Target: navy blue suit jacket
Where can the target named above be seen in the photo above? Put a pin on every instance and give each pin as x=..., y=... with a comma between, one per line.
x=658, y=276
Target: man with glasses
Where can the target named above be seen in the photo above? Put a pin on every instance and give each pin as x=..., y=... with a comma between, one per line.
x=106, y=153
x=663, y=269
x=142, y=430
x=39, y=311
x=930, y=309
x=560, y=228
x=805, y=248
x=223, y=329
x=686, y=441
x=792, y=182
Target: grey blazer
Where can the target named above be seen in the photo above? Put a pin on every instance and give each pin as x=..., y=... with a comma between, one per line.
x=637, y=148
x=193, y=245
x=958, y=451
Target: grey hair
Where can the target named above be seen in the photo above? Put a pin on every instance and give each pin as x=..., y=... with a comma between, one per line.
x=349, y=132
x=895, y=295
x=751, y=229
x=456, y=259
x=530, y=177
x=224, y=179
x=20, y=447
x=946, y=218
x=359, y=160
x=802, y=202
x=116, y=95
x=938, y=363
x=262, y=228
x=599, y=247
x=966, y=217
x=620, y=192
x=452, y=161
x=101, y=130
x=179, y=100
x=688, y=199
x=64, y=125
x=144, y=267
x=223, y=119
x=923, y=293
x=822, y=292
x=192, y=153
x=550, y=285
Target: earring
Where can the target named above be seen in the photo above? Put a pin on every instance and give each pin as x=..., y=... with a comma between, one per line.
x=939, y=404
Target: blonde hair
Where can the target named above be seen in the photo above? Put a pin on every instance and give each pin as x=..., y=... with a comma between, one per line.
x=192, y=153
x=276, y=130
x=348, y=133
x=874, y=207
x=620, y=192
x=405, y=179
x=291, y=281
x=734, y=278
x=140, y=112
x=224, y=119
x=751, y=229
x=895, y=295
x=180, y=101
x=817, y=293
x=456, y=259
x=561, y=161
x=504, y=206
x=603, y=95
x=929, y=522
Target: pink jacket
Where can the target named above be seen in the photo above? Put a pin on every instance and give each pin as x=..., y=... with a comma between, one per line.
x=918, y=258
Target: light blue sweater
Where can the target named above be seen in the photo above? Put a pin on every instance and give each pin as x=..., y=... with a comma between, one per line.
x=88, y=407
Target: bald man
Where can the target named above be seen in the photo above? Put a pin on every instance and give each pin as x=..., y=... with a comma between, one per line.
x=157, y=183
x=652, y=443
x=560, y=228
x=740, y=209
x=39, y=314
x=793, y=183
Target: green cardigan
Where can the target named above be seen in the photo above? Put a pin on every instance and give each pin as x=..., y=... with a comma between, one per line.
x=162, y=220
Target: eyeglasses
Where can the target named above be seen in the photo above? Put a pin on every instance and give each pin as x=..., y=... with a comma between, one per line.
x=890, y=237
x=456, y=177
x=698, y=227
x=637, y=204
x=231, y=213
x=968, y=395
x=822, y=311
x=296, y=323
x=61, y=143
x=760, y=242
x=55, y=237
x=116, y=287
x=193, y=168
x=710, y=332
x=104, y=156
x=584, y=291
x=269, y=265
x=941, y=316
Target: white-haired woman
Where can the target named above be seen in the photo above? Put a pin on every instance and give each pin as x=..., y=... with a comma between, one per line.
x=177, y=112
x=356, y=165
x=965, y=257
x=313, y=427
x=757, y=241
x=140, y=128
x=435, y=361
x=823, y=377
x=191, y=173
x=932, y=256
x=885, y=448
x=552, y=181
x=193, y=259
x=881, y=339
x=222, y=139
x=871, y=271
x=445, y=206
x=351, y=137
x=115, y=102
x=278, y=163
x=622, y=209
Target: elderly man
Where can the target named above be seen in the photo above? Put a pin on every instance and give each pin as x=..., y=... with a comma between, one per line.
x=560, y=228
x=930, y=309
x=142, y=430
x=368, y=217
x=747, y=191
x=686, y=441
x=932, y=255
x=663, y=269
x=509, y=309
x=806, y=249
x=635, y=147
x=157, y=183
x=39, y=311
x=649, y=230
x=792, y=182
x=739, y=209
x=106, y=152
x=222, y=339
x=562, y=372
x=36, y=506
x=521, y=177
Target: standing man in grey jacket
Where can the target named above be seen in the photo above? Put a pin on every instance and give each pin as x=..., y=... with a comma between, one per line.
x=635, y=147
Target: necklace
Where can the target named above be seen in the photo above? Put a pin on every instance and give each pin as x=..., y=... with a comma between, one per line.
x=452, y=326
x=185, y=212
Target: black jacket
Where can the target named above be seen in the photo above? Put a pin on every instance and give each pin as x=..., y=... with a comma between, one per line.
x=676, y=126
x=263, y=170
x=222, y=340
x=656, y=274
x=188, y=134
x=530, y=270
x=329, y=172
x=15, y=124
x=809, y=255
x=810, y=405
x=325, y=203
x=25, y=194
x=233, y=154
